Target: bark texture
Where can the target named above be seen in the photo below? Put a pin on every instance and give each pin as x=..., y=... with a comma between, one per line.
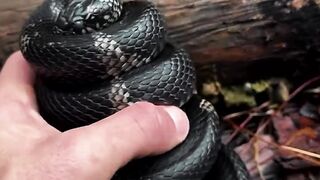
x=13, y=13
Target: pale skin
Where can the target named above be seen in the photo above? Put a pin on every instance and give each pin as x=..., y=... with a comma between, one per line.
x=32, y=149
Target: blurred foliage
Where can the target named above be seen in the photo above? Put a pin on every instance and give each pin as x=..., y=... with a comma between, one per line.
x=248, y=93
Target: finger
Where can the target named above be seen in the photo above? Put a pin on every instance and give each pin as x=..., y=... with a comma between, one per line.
x=140, y=130
x=16, y=80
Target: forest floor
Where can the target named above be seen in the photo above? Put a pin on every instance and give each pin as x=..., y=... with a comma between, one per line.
x=278, y=135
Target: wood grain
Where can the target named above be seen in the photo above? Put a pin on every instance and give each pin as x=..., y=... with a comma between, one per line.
x=13, y=13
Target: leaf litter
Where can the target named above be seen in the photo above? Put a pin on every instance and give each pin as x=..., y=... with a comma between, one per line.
x=280, y=138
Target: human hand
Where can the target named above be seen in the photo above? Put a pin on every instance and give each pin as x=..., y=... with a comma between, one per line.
x=32, y=149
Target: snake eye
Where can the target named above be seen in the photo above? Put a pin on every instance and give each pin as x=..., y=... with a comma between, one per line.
x=78, y=26
x=62, y=23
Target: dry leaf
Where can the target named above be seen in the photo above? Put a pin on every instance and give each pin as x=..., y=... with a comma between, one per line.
x=258, y=156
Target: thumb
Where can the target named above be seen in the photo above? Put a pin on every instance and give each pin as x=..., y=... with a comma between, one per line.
x=139, y=130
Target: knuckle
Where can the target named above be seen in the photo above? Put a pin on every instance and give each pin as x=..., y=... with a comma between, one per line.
x=151, y=119
x=146, y=118
x=147, y=108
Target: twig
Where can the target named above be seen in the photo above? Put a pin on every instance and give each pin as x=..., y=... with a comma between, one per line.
x=299, y=89
x=247, y=120
x=301, y=151
x=306, y=155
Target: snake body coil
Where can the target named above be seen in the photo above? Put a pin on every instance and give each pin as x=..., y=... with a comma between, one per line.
x=95, y=57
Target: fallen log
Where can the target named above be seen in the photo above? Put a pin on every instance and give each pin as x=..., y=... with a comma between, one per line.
x=12, y=16
x=214, y=31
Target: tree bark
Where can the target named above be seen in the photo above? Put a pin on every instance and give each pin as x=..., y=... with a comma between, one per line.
x=219, y=31
x=13, y=14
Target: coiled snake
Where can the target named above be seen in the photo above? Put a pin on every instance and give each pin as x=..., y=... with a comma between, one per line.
x=95, y=57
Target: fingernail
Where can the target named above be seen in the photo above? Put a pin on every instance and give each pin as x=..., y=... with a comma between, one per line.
x=180, y=120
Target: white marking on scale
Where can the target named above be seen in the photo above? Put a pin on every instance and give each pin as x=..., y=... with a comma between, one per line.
x=97, y=43
x=126, y=96
x=140, y=63
x=115, y=87
x=118, y=97
x=89, y=29
x=135, y=62
x=130, y=103
x=125, y=100
x=121, y=106
x=106, y=40
x=112, y=71
x=206, y=105
x=119, y=52
x=97, y=25
x=148, y=59
x=111, y=47
x=121, y=91
x=113, y=42
x=104, y=45
x=125, y=65
x=123, y=59
x=132, y=58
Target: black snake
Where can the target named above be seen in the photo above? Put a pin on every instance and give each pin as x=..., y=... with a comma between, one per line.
x=95, y=57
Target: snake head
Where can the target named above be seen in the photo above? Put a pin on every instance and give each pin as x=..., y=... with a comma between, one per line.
x=85, y=16
x=72, y=25
x=78, y=25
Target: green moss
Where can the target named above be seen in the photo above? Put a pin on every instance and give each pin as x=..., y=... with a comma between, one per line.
x=247, y=92
x=237, y=96
x=259, y=86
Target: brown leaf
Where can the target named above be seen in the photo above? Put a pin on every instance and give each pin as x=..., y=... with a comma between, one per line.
x=304, y=140
x=258, y=156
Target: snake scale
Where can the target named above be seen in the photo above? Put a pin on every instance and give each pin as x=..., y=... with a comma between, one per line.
x=96, y=57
